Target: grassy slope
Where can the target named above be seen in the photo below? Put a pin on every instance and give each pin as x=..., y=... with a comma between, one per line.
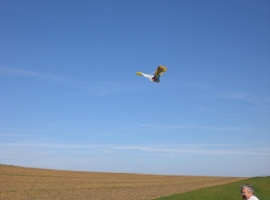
x=229, y=191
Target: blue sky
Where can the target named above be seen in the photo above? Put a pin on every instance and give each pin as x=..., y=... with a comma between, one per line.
x=70, y=98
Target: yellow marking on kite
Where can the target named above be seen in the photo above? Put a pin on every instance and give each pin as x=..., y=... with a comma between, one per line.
x=139, y=73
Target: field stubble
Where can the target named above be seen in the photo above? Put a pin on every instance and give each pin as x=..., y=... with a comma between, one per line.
x=30, y=183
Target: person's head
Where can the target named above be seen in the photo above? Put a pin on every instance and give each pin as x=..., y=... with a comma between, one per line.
x=247, y=191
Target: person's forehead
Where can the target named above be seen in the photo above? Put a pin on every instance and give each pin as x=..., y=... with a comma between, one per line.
x=245, y=189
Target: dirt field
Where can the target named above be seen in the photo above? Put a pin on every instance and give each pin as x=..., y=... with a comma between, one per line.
x=29, y=183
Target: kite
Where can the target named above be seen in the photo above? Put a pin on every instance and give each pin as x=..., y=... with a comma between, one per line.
x=154, y=77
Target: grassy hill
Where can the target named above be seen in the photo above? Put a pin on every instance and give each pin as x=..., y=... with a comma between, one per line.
x=229, y=191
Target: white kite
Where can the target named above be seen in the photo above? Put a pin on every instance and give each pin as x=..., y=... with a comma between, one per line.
x=154, y=77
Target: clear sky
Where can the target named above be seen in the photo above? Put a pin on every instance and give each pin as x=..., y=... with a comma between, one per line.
x=70, y=98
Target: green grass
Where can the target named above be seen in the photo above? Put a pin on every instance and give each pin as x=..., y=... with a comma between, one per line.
x=226, y=192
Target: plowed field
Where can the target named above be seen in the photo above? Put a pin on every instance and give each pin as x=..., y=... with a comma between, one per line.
x=30, y=183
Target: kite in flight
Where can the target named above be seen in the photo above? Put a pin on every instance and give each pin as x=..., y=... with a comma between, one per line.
x=154, y=77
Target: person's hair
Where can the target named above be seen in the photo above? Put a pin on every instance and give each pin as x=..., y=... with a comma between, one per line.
x=249, y=187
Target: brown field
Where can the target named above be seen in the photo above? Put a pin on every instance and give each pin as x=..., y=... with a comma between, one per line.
x=30, y=183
